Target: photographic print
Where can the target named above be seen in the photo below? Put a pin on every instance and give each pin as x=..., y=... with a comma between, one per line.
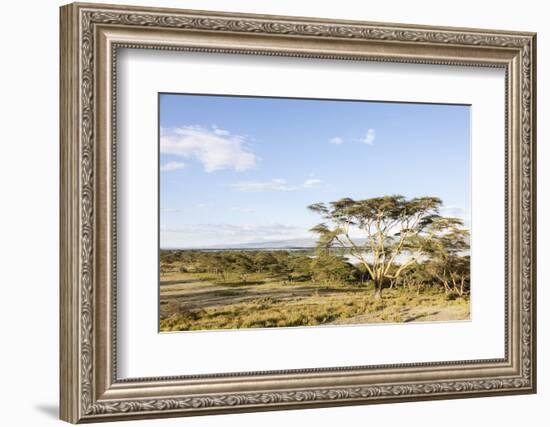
x=284, y=212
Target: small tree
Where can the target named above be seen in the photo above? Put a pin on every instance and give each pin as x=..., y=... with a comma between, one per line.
x=388, y=225
x=217, y=263
x=300, y=266
x=460, y=275
x=242, y=265
x=447, y=246
x=264, y=260
x=414, y=278
x=328, y=268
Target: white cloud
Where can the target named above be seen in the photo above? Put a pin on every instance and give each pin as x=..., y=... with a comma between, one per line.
x=336, y=140
x=171, y=210
x=369, y=137
x=172, y=166
x=249, y=229
x=215, y=148
x=277, y=184
x=312, y=182
x=212, y=235
x=220, y=132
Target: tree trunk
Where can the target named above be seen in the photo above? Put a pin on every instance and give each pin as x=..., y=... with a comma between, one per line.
x=378, y=287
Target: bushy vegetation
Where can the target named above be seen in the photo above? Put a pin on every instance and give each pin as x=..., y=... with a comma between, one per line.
x=448, y=274
x=244, y=266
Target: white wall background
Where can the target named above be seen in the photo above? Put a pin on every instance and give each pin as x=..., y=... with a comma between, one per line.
x=29, y=170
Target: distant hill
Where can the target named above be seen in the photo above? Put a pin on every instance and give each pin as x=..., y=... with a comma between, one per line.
x=275, y=244
x=303, y=243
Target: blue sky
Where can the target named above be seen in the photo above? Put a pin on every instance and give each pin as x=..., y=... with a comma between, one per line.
x=243, y=170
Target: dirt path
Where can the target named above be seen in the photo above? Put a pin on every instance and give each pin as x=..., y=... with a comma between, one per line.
x=417, y=314
x=199, y=294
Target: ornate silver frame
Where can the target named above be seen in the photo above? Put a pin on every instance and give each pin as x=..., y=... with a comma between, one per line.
x=90, y=36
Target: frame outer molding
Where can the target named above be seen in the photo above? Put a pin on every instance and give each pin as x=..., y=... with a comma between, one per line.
x=69, y=221
x=89, y=388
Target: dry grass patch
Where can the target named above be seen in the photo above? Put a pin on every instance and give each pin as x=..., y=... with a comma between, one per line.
x=316, y=307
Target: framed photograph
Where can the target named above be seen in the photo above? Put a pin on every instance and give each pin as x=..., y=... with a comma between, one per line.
x=266, y=212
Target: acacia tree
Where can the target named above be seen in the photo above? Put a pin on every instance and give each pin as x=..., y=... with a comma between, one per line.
x=447, y=243
x=389, y=227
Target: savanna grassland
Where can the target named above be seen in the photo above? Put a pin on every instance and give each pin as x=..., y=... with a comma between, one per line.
x=196, y=297
x=409, y=264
